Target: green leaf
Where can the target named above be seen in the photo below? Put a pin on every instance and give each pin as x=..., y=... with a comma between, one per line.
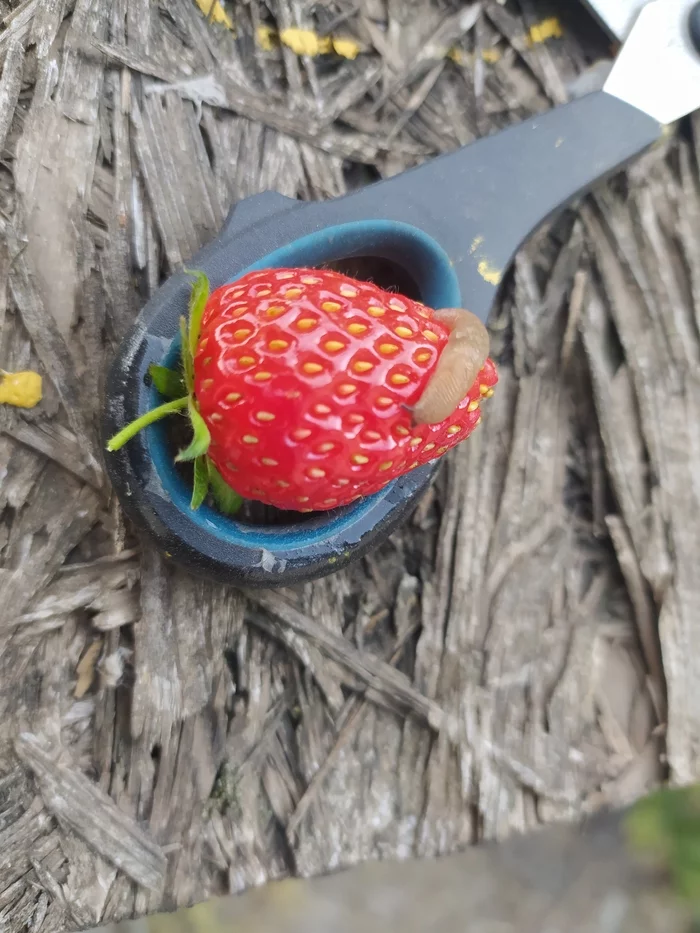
x=200, y=439
x=663, y=831
x=169, y=383
x=227, y=500
x=155, y=414
x=198, y=302
x=186, y=356
x=201, y=483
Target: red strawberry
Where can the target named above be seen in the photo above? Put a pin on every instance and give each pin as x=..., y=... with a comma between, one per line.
x=305, y=379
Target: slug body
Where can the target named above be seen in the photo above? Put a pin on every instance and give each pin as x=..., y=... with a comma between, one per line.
x=462, y=358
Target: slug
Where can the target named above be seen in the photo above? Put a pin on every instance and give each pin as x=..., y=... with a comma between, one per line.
x=459, y=364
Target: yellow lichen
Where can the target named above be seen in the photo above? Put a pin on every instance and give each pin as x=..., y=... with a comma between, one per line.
x=306, y=42
x=23, y=390
x=214, y=11
x=489, y=273
x=346, y=48
x=549, y=28
x=491, y=56
x=266, y=38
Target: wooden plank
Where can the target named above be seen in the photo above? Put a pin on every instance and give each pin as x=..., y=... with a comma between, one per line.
x=573, y=878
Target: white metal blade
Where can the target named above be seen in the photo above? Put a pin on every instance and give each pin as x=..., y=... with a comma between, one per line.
x=658, y=68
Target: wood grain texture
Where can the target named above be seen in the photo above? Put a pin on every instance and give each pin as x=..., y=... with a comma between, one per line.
x=522, y=652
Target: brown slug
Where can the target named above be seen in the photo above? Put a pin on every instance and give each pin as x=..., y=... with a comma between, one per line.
x=465, y=353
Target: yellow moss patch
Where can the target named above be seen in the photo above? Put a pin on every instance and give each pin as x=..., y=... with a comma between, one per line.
x=266, y=38
x=214, y=11
x=491, y=56
x=346, y=48
x=307, y=42
x=549, y=28
x=23, y=390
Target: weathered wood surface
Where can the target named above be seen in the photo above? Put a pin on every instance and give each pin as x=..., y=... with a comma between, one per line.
x=562, y=879
x=504, y=660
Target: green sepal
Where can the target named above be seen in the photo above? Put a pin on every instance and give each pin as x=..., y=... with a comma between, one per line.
x=200, y=486
x=200, y=437
x=227, y=500
x=186, y=356
x=167, y=382
x=198, y=302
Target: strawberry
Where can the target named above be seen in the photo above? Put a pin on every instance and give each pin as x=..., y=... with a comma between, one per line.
x=305, y=381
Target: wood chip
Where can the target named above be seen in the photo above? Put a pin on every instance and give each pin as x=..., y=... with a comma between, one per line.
x=90, y=813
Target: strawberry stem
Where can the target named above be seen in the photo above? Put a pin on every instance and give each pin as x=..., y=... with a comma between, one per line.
x=155, y=414
x=200, y=435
